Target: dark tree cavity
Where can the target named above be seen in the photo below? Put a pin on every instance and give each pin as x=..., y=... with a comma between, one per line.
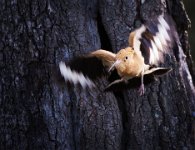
x=36, y=112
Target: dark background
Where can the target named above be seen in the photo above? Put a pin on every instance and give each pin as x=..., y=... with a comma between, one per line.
x=189, y=4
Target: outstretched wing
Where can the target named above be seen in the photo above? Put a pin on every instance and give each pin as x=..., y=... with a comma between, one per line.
x=154, y=38
x=84, y=69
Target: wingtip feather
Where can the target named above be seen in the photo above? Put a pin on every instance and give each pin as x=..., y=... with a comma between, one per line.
x=75, y=77
x=156, y=40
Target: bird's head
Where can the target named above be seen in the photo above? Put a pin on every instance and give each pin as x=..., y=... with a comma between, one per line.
x=123, y=58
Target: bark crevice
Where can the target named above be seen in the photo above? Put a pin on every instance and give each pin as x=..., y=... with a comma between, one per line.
x=105, y=44
x=104, y=39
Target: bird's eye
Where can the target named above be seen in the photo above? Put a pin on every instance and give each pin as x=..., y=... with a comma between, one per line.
x=126, y=57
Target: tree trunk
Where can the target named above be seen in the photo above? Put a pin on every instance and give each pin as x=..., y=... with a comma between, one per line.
x=37, y=113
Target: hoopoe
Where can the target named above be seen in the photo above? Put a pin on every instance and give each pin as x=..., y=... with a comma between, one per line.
x=147, y=46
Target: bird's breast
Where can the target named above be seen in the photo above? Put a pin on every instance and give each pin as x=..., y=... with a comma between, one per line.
x=129, y=70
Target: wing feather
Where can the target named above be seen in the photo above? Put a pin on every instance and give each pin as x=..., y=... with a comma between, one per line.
x=107, y=57
x=153, y=39
x=83, y=69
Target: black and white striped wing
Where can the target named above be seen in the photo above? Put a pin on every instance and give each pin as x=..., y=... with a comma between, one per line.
x=84, y=70
x=153, y=39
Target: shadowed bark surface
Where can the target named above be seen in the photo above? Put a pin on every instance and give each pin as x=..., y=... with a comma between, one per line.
x=38, y=113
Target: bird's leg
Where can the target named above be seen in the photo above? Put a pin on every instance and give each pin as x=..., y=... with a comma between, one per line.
x=141, y=89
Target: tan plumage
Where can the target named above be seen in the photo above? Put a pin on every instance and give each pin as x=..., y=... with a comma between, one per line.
x=107, y=58
x=127, y=60
x=130, y=64
x=146, y=48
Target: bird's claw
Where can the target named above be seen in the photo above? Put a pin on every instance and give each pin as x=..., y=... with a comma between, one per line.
x=141, y=90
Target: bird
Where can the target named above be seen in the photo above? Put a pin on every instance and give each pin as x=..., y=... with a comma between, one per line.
x=139, y=61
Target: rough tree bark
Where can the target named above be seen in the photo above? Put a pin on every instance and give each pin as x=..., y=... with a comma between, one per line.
x=37, y=113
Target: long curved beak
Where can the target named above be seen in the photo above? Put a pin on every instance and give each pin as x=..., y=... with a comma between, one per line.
x=114, y=64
